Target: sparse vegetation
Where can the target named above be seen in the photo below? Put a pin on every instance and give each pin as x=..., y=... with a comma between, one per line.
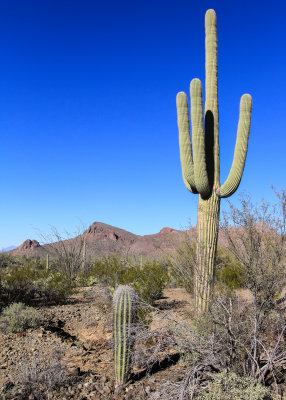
x=182, y=265
x=31, y=282
x=229, y=271
x=18, y=317
x=149, y=280
x=68, y=251
x=229, y=386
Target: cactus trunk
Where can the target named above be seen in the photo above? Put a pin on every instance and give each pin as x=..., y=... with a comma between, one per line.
x=201, y=163
x=207, y=234
x=125, y=315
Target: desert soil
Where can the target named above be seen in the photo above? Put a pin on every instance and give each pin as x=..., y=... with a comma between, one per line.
x=70, y=356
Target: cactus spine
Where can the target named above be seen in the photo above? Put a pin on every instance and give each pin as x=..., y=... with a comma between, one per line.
x=125, y=316
x=201, y=164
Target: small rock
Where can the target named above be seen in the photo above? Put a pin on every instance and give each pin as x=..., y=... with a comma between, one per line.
x=75, y=371
x=106, y=389
x=93, y=395
x=7, y=386
x=89, y=385
x=147, y=389
x=4, y=381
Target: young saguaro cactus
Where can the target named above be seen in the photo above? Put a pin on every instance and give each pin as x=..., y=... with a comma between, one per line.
x=125, y=317
x=47, y=262
x=83, y=255
x=201, y=164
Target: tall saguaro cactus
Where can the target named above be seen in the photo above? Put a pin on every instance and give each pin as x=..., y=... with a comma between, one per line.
x=125, y=316
x=201, y=164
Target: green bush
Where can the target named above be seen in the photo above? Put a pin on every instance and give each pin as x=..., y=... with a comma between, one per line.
x=29, y=283
x=229, y=271
x=18, y=284
x=229, y=386
x=86, y=280
x=18, y=317
x=54, y=287
x=109, y=271
x=5, y=260
x=149, y=280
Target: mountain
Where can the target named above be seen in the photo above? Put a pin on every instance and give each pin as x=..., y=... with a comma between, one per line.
x=102, y=240
x=29, y=248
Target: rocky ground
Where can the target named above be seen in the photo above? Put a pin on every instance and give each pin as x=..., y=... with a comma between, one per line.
x=71, y=355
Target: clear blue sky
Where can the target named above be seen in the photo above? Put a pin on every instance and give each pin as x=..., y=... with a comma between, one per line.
x=87, y=108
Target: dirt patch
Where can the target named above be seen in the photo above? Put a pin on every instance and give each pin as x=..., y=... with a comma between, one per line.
x=71, y=355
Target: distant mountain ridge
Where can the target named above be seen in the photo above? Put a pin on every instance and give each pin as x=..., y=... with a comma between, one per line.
x=9, y=248
x=103, y=239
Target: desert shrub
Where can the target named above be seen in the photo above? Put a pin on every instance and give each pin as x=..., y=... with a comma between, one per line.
x=255, y=235
x=28, y=283
x=229, y=339
x=148, y=280
x=229, y=386
x=5, y=260
x=67, y=251
x=109, y=270
x=54, y=287
x=231, y=275
x=42, y=375
x=229, y=271
x=17, y=284
x=182, y=265
x=18, y=317
x=86, y=280
x=52, y=375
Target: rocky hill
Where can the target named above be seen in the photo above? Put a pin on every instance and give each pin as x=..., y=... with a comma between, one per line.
x=102, y=240
x=29, y=248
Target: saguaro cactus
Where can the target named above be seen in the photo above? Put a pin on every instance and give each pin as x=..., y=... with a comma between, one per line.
x=83, y=255
x=47, y=262
x=201, y=164
x=125, y=316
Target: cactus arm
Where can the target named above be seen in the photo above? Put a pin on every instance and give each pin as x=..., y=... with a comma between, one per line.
x=211, y=89
x=233, y=180
x=185, y=142
x=198, y=137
